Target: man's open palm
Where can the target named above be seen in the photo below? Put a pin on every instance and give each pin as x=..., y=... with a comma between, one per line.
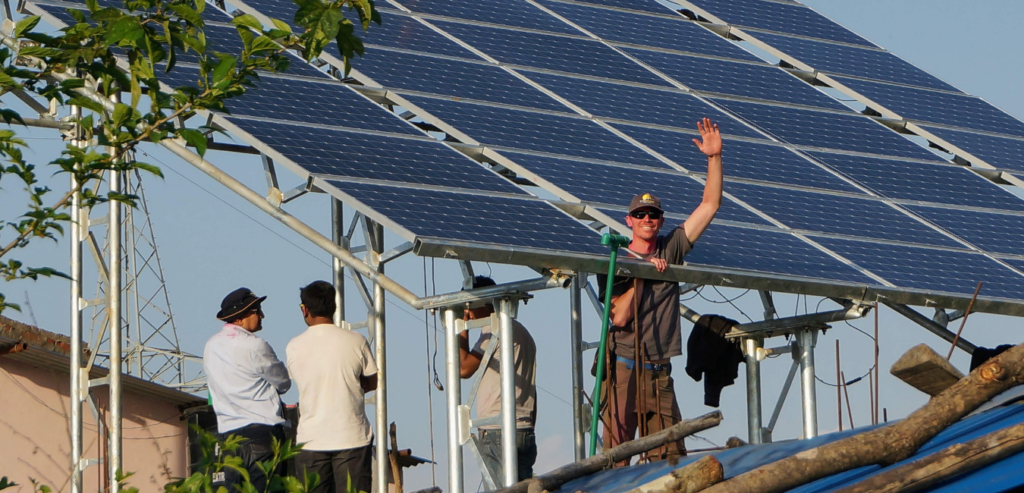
x=711, y=141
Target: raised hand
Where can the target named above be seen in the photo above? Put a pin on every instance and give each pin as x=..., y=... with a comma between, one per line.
x=659, y=263
x=711, y=141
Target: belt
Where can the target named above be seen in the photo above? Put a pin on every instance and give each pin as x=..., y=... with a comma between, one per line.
x=647, y=366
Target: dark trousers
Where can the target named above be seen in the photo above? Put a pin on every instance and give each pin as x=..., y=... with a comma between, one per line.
x=256, y=448
x=337, y=467
x=526, y=452
x=619, y=399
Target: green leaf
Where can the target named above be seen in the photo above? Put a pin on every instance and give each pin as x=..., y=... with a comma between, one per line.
x=224, y=68
x=281, y=26
x=247, y=20
x=122, y=112
x=200, y=6
x=25, y=25
x=125, y=29
x=186, y=12
x=149, y=168
x=194, y=137
x=86, y=103
x=136, y=90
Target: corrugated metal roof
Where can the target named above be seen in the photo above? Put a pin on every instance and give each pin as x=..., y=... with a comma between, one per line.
x=1000, y=476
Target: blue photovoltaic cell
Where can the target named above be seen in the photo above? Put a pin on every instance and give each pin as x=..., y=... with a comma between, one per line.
x=335, y=152
x=1003, y=153
x=640, y=104
x=395, y=31
x=501, y=221
x=613, y=185
x=763, y=162
x=838, y=214
x=736, y=79
x=516, y=13
x=940, y=183
x=470, y=80
x=850, y=132
x=639, y=5
x=849, y=60
x=999, y=233
x=676, y=33
x=734, y=247
x=546, y=51
x=930, y=269
x=303, y=101
x=957, y=110
x=500, y=127
x=784, y=18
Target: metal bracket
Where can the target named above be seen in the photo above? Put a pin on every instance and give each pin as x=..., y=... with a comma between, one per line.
x=396, y=252
x=467, y=274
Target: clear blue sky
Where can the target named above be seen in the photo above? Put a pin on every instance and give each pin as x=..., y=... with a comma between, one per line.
x=211, y=242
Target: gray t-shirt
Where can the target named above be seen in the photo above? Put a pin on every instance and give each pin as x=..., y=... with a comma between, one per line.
x=658, y=311
x=488, y=402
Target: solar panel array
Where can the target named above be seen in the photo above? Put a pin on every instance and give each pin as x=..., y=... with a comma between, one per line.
x=596, y=100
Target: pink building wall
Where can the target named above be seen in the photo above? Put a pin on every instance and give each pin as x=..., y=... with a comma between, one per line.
x=35, y=440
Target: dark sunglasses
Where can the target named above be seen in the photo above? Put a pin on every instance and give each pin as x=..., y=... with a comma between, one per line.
x=654, y=215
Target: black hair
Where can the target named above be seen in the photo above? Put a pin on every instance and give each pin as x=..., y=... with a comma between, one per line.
x=318, y=298
x=483, y=282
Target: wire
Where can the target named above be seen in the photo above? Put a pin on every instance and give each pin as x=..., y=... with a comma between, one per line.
x=729, y=301
x=698, y=437
x=430, y=391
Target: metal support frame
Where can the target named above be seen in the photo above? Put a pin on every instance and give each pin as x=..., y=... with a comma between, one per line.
x=576, y=348
x=807, y=340
x=453, y=387
x=337, y=267
x=76, y=387
x=929, y=324
x=375, y=238
x=114, y=316
x=507, y=374
x=750, y=354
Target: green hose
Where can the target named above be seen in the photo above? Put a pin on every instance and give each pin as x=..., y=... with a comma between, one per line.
x=615, y=242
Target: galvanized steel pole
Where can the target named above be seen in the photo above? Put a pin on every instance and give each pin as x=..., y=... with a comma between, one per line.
x=381, y=405
x=750, y=346
x=338, y=268
x=75, y=392
x=576, y=343
x=509, y=457
x=808, y=396
x=114, y=314
x=454, y=391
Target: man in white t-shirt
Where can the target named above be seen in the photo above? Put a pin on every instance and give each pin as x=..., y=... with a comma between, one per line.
x=333, y=369
x=488, y=402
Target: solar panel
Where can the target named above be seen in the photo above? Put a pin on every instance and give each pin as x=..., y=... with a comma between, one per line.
x=760, y=250
x=849, y=60
x=1000, y=152
x=939, y=183
x=501, y=221
x=518, y=13
x=847, y=132
x=957, y=110
x=781, y=17
x=752, y=161
x=932, y=270
x=471, y=80
x=991, y=232
x=615, y=185
x=546, y=51
x=838, y=214
x=545, y=132
x=758, y=81
x=336, y=152
x=671, y=32
x=638, y=5
x=640, y=104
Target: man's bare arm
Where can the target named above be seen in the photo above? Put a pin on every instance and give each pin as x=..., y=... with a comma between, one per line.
x=469, y=361
x=622, y=308
x=711, y=145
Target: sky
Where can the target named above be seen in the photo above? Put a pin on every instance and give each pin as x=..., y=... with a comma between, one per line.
x=211, y=242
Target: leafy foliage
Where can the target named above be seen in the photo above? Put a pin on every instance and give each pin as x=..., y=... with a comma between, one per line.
x=217, y=457
x=114, y=51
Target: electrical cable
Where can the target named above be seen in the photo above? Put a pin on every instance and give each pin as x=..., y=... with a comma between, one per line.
x=430, y=391
x=730, y=302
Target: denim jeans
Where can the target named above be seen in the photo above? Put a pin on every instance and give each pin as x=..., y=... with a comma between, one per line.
x=256, y=448
x=526, y=451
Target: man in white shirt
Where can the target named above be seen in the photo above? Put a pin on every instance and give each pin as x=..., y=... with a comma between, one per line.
x=488, y=402
x=245, y=380
x=333, y=369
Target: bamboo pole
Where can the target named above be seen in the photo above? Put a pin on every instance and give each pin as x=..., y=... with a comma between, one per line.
x=846, y=393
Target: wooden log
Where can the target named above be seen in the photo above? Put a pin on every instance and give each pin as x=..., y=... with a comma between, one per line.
x=946, y=463
x=691, y=478
x=925, y=370
x=888, y=444
x=605, y=460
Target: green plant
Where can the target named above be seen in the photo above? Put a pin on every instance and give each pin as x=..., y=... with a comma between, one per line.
x=125, y=51
x=217, y=456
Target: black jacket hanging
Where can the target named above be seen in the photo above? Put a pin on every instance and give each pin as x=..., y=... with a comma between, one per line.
x=711, y=355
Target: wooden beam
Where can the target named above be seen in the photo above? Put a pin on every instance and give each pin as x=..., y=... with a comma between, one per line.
x=925, y=370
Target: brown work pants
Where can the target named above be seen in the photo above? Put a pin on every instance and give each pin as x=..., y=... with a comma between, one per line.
x=619, y=408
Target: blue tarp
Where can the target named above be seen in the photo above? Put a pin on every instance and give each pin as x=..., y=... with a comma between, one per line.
x=1000, y=476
